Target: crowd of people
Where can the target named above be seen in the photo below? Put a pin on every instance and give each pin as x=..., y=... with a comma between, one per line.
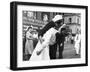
x=43, y=45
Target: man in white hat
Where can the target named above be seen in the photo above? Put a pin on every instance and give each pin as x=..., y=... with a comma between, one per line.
x=57, y=17
x=56, y=22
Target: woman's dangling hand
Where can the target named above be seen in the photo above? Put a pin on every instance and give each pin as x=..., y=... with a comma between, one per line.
x=38, y=52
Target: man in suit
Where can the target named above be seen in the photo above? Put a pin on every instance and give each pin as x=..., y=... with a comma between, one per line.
x=56, y=22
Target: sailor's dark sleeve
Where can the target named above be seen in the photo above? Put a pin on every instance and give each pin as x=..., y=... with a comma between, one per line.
x=60, y=37
x=46, y=28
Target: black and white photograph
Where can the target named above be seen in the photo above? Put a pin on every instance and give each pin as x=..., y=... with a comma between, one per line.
x=51, y=35
x=48, y=35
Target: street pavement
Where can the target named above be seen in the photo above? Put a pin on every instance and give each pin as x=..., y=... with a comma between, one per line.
x=69, y=51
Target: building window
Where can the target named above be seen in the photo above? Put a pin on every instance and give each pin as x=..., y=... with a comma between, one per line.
x=24, y=13
x=45, y=17
x=30, y=14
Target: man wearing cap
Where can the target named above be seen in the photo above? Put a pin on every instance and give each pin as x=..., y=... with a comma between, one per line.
x=56, y=22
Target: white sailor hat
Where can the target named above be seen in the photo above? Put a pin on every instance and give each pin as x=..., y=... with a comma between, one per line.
x=57, y=17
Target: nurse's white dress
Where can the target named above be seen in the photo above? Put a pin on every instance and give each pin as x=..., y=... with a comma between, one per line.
x=44, y=55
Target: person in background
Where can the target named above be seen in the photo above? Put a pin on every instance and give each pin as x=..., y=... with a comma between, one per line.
x=77, y=42
x=29, y=43
x=72, y=39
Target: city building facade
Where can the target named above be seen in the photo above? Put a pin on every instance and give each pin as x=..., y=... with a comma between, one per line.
x=39, y=19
